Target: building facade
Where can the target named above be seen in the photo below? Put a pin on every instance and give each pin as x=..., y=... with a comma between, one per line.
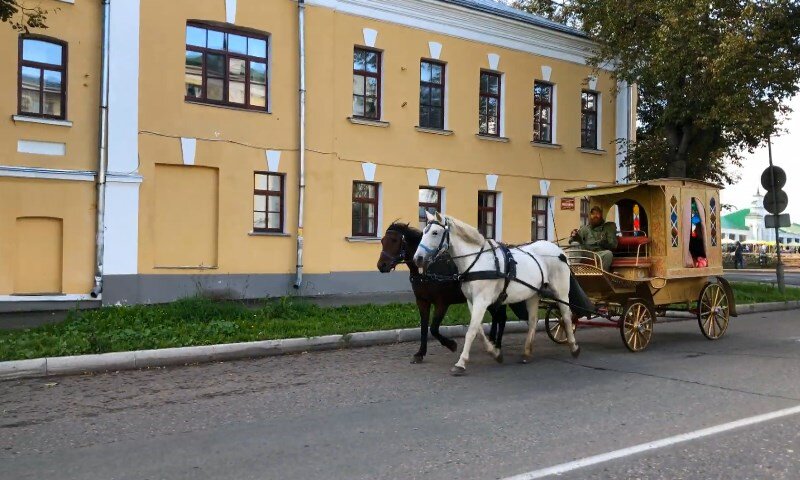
x=463, y=106
x=747, y=225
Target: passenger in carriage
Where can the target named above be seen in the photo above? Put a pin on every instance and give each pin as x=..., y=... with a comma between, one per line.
x=598, y=236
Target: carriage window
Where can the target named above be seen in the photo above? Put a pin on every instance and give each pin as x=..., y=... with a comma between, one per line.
x=225, y=67
x=365, y=209
x=542, y=112
x=697, y=248
x=487, y=214
x=584, y=211
x=431, y=94
x=538, y=218
x=589, y=120
x=489, y=104
x=366, y=83
x=632, y=218
x=430, y=200
x=268, y=202
x=42, y=78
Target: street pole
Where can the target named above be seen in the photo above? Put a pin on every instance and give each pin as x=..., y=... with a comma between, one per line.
x=773, y=191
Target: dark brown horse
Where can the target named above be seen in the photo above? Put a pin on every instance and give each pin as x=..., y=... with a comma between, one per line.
x=399, y=244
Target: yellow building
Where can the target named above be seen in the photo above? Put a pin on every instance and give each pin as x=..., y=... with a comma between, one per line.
x=465, y=106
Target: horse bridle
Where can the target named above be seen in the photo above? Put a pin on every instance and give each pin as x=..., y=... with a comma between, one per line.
x=401, y=255
x=444, y=243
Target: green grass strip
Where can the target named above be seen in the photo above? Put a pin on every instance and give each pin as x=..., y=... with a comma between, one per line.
x=200, y=321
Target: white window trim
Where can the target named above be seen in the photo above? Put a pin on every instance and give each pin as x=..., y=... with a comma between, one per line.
x=502, y=105
x=498, y=217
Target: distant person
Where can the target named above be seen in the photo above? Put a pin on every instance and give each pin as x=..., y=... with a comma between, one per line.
x=598, y=236
x=738, y=258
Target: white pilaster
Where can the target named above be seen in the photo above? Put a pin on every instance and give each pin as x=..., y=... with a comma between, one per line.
x=622, y=129
x=120, y=254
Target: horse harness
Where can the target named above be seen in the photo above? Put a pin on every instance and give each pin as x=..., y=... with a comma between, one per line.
x=508, y=274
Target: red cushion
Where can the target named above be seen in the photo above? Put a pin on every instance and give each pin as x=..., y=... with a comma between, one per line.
x=631, y=242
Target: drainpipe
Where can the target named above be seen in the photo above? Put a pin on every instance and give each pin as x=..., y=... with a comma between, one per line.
x=301, y=34
x=103, y=157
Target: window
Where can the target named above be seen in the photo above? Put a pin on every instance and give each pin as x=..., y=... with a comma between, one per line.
x=589, y=120
x=542, y=112
x=42, y=78
x=431, y=94
x=366, y=83
x=538, y=218
x=268, y=202
x=365, y=209
x=489, y=104
x=487, y=214
x=584, y=211
x=430, y=200
x=226, y=67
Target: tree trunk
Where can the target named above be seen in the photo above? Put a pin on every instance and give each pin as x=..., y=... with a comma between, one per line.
x=680, y=137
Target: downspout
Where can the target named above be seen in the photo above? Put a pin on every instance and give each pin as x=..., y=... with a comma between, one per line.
x=301, y=202
x=103, y=157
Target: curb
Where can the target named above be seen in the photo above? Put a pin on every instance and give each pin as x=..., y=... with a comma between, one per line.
x=42, y=367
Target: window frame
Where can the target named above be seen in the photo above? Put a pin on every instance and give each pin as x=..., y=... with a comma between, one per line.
x=482, y=211
x=549, y=106
x=433, y=85
x=42, y=67
x=488, y=95
x=594, y=113
x=363, y=201
x=436, y=205
x=584, y=212
x=366, y=74
x=535, y=213
x=270, y=193
x=227, y=56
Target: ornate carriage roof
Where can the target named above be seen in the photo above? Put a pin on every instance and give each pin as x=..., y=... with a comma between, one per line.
x=624, y=187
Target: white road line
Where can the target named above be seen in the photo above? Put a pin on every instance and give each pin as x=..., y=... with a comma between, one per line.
x=685, y=437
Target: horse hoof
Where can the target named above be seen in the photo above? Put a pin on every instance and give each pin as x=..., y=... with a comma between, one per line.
x=458, y=371
x=499, y=358
x=417, y=359
x=525, y=360
x=576, y=352
x=452, y=346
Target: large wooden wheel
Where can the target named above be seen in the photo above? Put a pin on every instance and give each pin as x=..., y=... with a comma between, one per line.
x=636, y=324
x=553, y=325
x=713, y=311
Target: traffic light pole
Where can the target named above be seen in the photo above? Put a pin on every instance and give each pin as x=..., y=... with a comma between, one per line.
x=773, y=192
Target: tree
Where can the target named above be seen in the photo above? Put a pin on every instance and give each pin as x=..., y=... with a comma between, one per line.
x=21, y=17
x=712, y=76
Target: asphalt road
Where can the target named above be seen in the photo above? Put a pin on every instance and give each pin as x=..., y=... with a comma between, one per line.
x=791, y=278
x=369, y=414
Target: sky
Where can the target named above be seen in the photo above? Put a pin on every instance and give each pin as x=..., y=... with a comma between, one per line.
x=785, y=154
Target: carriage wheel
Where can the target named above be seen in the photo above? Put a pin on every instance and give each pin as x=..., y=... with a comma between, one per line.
x=552, y=323
x=636, y=325
x=713, y=311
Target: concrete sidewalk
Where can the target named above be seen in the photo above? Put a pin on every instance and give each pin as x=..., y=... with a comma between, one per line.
x=40, y=367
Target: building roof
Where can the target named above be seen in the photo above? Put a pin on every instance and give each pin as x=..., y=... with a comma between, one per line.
x=500, y=9
x=735, y=220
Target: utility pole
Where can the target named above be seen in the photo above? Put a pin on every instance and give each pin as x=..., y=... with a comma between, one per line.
x=774, y=193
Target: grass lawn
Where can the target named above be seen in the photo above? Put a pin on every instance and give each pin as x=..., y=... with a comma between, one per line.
x=199, y=321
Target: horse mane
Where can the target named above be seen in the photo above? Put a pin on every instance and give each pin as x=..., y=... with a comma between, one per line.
x=415, y=235
x=469, y=233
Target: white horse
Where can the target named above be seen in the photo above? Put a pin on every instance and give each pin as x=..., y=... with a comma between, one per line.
x=541, y=264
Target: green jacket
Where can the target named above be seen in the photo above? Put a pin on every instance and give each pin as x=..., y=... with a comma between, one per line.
x=603, y=237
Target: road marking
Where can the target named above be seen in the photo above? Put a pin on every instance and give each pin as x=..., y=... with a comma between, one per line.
x=685, y=437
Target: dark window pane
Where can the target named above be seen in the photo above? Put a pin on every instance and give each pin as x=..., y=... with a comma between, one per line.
x=237, y=43
x=257, y=47
x=494, y=85
x=236, y=70
x=216, y=40
x=436, y=97
x=423, y=116
x=258, y=72
x=195, y=36
x=483, y=105
x=436, y=73
x=359, y=60
x=372, y=86
x=372, y=62
x=425, y=72
x=371, y=107
x=484, y=82
x=425, y=95
x=215, y=65
x=214, y=86
x=194, y=62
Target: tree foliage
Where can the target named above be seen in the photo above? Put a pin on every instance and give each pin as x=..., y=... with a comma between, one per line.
x=22, y=17
x=712, y=76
